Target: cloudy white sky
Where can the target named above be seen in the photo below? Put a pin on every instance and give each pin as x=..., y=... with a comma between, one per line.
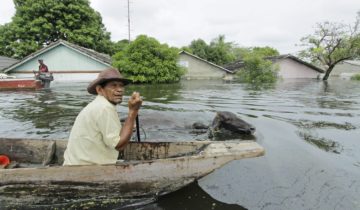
x=276, y=23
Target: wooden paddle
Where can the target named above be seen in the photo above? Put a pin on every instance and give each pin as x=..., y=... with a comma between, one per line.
x=137, y=128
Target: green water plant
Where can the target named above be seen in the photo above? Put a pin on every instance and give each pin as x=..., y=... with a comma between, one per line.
x=327, y=145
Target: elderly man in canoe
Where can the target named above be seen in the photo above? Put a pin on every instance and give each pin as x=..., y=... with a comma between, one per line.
x=97, y=135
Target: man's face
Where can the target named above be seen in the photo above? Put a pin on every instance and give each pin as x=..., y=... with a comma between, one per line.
x=113, y=91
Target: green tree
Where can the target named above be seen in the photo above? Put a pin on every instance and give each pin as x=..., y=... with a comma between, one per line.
x=38, y=23
x=119, y=46
x=332, y=43
x=199, y=48
x=241, y=52
x=265, y=51
x=218, y=51
x=5, y=42
x=221, y=52
x=257, y=70
x=186, y=48
x=145, y=60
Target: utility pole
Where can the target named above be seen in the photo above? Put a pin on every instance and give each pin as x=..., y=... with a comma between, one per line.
x=137, y=116
x=128, y=4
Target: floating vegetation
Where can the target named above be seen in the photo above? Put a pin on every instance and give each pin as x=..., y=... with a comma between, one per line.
x=323, y=124
x=310, y=124
x=91, y=203
x=318, y=113
x=322, y=143
x=355, y=77
x=344, y=114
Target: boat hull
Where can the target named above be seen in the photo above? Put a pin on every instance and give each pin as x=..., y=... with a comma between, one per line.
x=137, y=177
x=9, y=84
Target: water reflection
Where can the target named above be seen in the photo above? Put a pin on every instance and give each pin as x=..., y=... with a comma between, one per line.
x=192, y=197
x=332, y=103
x=307, y=126
x=163, y=93
x=335, y=96
x=41, y=110
x=48, y=111
x=288, y=118
x=258, y=87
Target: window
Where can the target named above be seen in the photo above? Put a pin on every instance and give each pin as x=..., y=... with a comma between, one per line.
x=184, y=64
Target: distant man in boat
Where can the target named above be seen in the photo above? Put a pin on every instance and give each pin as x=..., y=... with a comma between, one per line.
x=97, y=135
x=42, y=67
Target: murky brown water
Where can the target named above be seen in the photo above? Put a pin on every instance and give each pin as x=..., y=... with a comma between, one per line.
x=310, y=130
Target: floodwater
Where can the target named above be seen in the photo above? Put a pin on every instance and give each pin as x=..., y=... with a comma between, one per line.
x=310, y=130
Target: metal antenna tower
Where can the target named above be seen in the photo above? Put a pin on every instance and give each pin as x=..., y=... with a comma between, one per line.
x=128, y=7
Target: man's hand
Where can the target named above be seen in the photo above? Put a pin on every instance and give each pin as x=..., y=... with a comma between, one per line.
x=135, y=102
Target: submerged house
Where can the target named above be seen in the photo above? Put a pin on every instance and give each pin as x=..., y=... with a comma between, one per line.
x=198, y=68
x=346, y=69
x=67, y=62
x=289, y=67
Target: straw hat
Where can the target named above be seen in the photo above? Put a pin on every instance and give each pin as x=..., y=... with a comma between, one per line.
x=106, y=76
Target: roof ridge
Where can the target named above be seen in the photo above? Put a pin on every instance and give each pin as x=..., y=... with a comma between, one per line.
x=223, y=68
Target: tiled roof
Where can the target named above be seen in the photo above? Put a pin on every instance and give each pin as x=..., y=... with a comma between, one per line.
x=234, y=66
x=103, y=58
x=213, y=64
x=6, y=62
x=274, y=58
x=240, y=63
x=92, y=53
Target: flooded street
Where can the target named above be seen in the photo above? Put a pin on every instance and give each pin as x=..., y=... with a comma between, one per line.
x=310, y=131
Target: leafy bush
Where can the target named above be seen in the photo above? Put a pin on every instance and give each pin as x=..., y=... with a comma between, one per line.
x=145, y=60
x=257, y=70
x=356, y=77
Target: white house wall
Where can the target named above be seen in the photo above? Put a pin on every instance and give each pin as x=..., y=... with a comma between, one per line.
x=82, y=77
x=198, y=69
x=63, y=77
x=345, y=69
x=292, y=69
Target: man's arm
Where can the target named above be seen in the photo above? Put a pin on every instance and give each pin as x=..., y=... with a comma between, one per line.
x=127, y=129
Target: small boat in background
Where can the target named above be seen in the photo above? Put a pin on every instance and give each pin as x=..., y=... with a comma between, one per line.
x=40, y=81
x=146, y=170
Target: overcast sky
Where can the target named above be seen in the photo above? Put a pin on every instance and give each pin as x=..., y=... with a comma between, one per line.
x=276, y=23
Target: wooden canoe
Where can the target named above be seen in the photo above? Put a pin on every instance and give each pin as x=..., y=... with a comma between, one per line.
x=9, y=84
x=148, y=169
x=40, y=81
